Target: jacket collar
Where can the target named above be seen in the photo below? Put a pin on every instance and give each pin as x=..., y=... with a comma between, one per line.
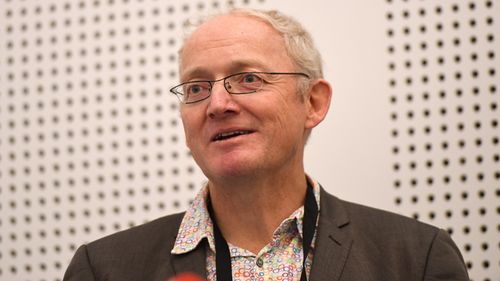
x=333, y=240
x=192, y=261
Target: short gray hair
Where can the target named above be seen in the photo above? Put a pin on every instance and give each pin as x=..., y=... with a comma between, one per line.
x=298, y=42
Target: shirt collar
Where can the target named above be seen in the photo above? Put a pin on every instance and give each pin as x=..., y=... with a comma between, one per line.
x=196, y=224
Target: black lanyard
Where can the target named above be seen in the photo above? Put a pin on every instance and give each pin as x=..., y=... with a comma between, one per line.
x=223, y=256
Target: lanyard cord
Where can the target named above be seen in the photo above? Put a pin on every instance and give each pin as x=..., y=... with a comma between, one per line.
x=223, y=256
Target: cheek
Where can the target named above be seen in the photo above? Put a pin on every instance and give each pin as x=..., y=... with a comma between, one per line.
x=291, y=114
x=288, y=121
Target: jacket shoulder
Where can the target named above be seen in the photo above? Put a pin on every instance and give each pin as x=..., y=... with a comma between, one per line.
x=161, y=229
x=375, y=221
x=139, y=246
x=138, y=253
x=379, y=218
x=387, y=246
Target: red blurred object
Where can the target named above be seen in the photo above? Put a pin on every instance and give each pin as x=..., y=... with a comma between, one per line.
x=187, y=277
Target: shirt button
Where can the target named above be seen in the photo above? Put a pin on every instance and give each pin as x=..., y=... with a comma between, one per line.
x=260, y=262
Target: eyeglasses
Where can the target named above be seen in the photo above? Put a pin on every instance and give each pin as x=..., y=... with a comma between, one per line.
x=238, y=83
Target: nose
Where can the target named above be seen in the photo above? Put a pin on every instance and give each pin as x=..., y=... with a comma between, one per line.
x=221, y=102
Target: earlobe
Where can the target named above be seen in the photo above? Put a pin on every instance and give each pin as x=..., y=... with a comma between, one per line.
x=318, y=102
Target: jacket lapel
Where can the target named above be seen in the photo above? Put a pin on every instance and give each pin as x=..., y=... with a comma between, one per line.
x=333, y=243
x=192, y=262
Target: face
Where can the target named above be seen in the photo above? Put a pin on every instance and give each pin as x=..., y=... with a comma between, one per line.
x=233, y=136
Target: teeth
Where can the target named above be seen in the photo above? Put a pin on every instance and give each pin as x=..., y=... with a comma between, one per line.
x=225, y=135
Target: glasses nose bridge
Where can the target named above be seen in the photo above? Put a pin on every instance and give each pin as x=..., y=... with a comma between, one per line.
x=225, y=84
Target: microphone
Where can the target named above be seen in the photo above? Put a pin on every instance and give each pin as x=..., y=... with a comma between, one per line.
x=186, y=276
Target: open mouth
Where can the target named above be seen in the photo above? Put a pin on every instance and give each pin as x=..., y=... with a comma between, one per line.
x=228, y=135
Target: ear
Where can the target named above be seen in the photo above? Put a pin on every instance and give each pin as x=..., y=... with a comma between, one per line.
x=318, y=102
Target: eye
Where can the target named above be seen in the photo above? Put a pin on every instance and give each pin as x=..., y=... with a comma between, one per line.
x=251, y=78
x=195, y=88
x=244, y=83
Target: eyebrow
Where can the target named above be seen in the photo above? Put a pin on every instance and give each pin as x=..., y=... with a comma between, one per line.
x=236, y=66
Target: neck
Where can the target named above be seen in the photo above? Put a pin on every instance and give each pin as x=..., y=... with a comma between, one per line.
x=248, y=211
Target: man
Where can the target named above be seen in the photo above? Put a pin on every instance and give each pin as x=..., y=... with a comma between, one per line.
x=252, y=90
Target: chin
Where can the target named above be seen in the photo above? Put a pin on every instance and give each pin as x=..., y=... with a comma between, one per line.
x=226, y=169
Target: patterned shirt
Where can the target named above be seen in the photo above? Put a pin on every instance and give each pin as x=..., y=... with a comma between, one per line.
x=281, y=259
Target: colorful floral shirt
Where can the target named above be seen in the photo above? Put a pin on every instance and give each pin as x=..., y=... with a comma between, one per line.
x=281, y=259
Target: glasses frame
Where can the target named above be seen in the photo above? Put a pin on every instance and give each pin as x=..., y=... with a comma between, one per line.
x=179, y=95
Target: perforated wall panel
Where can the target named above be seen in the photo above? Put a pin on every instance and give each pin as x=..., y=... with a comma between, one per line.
x=444, y=111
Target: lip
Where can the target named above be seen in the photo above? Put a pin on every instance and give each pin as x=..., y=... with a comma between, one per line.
x=218, y=132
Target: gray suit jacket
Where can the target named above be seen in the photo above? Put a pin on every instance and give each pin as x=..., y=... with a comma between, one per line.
x=354, y=242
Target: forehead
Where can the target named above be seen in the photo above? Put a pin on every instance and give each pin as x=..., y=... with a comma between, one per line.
x=231, y=43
